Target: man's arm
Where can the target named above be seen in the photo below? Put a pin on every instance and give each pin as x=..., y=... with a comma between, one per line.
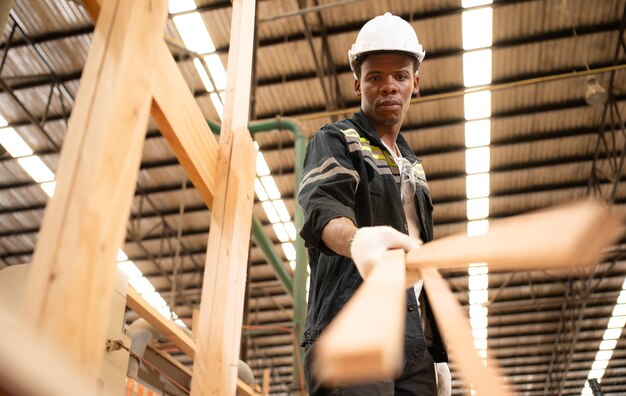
x=338, y=235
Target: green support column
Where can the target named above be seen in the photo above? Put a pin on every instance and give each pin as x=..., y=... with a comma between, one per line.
x=302, y=263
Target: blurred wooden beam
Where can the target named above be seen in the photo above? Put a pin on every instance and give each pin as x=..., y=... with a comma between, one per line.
x=67, y=300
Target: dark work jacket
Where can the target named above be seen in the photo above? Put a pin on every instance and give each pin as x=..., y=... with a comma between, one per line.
x=348, y=172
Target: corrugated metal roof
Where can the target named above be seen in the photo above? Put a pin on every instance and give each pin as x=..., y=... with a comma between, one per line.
x=543, y=136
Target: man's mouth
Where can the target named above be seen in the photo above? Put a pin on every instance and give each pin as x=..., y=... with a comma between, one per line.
x=389, y=104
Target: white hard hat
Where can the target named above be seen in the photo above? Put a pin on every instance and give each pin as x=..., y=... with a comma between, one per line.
x=386, y=33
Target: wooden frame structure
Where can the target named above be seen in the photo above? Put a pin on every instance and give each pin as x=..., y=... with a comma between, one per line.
x=129, y=73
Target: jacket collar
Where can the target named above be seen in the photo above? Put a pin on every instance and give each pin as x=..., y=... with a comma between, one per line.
x=366, y=128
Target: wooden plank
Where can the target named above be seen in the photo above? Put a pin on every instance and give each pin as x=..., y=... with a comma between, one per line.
x=455, y=327
x=221, y=310
x=85, y=222
x=223, y=290
x=174, y=333
x=168, y=328
x=345, y=355
x=565, y=236
x=183, y=125
x=179, y=119
x=266, y=382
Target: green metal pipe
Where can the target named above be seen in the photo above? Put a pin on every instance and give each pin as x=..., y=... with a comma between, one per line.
x=264, y=243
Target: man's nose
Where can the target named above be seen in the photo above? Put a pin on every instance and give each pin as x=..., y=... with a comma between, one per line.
x=389, y=86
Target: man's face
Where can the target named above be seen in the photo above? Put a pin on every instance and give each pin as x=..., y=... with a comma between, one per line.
x=386, y=84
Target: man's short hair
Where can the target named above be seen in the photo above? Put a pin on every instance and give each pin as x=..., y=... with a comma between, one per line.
x=358, y=62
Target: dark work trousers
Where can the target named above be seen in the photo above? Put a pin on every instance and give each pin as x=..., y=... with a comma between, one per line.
x=417, y=377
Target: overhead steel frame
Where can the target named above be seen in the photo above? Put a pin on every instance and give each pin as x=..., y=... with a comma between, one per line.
x=607, y=170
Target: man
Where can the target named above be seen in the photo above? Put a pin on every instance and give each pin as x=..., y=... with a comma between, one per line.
x=362, y=192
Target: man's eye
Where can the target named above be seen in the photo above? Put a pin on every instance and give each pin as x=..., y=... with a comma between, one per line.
x=401, y=77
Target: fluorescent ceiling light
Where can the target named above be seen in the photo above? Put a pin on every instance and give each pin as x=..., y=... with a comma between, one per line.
x=289, y=250
x=599, y=365
x=260, y=191
x=292, y=264
x=270, y=187
x=261, y=166
x=604, y=355
x=479, y=322
x=478, y=282
x=480, y=344
x=35, y=167
x=477, y=227
x=482, y=353
x=121, y=256
x=154, y=299
x=129, y=269
x=477, y=133
x=616, y=322
x=3, y=122
x=595, y=374
x=608, y=345
x=479, y=333
x=280, y=232
x=291, y=230
x=181, y=6
x=478, y=296
x=142, y=285
x=477, y=208
x=49, y=187
x=477, y=105
x=180, y=323
x=165, y=312
x=203, y=76
x=474, y=3
x=216, y=68
x=477, y=185
x=217, y=103
x=13, y=143
x=193, y=31
x=477, y=68
x=477, y=160
x=619, y=310
x=477, y=28
x=272, y=216
x=612, y=334
x=478, y=269
x=281, y=209
x=477, y=310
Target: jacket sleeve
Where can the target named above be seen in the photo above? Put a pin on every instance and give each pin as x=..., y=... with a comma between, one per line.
x=328, y=187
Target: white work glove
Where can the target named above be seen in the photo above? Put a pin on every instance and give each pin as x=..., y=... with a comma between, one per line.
x=370, y=243
x=444, y=379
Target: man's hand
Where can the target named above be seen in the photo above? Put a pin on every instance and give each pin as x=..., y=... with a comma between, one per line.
x=370, y=243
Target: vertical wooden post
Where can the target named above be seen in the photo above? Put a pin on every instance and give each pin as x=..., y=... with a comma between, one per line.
x=71, y=279
x=217, y=352
x=265, y=390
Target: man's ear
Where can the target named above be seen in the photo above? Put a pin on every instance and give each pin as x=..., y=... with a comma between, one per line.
x=416, y=84
x=357, y=87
